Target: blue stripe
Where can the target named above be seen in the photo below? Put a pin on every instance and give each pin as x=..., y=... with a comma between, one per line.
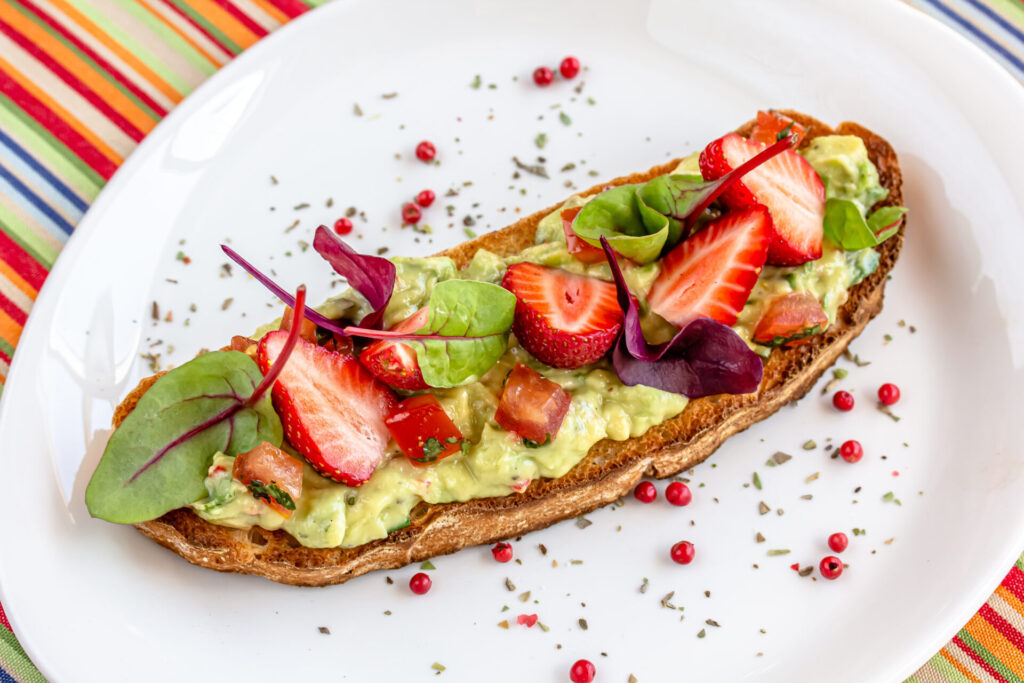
x=42, y=209
x=1003, y=23
x=977, y=33
x=6, y=677
x=19, y=168
x=31, y=161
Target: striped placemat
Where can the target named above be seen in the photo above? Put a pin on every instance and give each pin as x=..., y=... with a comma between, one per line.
x=83, y=81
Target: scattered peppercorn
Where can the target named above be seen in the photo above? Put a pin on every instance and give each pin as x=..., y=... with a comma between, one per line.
x=838, y=542
x=831, y=567
x=851, y=451
x=425, y=151
x=543, y=76
x=582, y=671
x=682, y=552
x=843, y=400
x=343, y=226
x=569, y=67
x=411, y=213
x=645, y=492
x=502, y=552
x=420, y=583
x=678, y=493
x=888, y=394
x=425, y=198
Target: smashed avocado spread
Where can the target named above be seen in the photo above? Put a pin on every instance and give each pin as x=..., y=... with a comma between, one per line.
x=496, y=462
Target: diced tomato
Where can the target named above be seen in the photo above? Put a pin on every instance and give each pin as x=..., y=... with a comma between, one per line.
x=308, y=331
x=789, y=319
x=423, y=430
x=272, y=475
x=583, y=251
x=531, y=406
x=770, y=124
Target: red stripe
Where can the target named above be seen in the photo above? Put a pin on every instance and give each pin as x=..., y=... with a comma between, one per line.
x=978, y=660
x=11, y=309
x=53, y=123
x=199, y=28
x=1002, y=625
x=3, y=619
x=21, y=261
x=242, y=17
x=4, y=357
x=69, y=78
x=104, y=64
x=1014, y=583
x=292, y=8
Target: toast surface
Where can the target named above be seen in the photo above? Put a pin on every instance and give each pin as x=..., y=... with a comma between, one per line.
x=609, y=470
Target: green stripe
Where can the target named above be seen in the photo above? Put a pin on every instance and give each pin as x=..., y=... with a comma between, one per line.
x=1012, y=10
x=41, y=143
x=989, y=658
x=9, y=350
x=15, y=660
x=1020, y=563
x=168, y=35
x=87, y=59
x=27, y=239
x=132, y=45
x=951, y=673
x=232, y=47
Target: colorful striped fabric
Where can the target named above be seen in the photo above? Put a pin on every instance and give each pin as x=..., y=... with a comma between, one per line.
x=83, y=81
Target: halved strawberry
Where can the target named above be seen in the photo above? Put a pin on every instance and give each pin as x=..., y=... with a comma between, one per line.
x=771, y=125
x=395, y=363
x=787, y=185
x=563, y=319
x=710, y=275
x=332, y=408
x=790, y=318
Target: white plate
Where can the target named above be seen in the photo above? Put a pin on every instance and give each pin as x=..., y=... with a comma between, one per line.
x=95, y=602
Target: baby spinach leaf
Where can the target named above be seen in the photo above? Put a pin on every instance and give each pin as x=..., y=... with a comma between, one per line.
x=641, y=222
x=465, y=335
x=474, y=319
x=157, y=459
x=846, y=227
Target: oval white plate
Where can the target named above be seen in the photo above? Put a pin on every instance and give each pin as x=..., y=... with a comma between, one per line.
x=96, y=602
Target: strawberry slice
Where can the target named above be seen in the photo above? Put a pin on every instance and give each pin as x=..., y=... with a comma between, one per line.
x=332, y=408
x=790, y=318
x=787, y=185
x=395, y=363
x=563, y=319
x=710, y=275
x=772, y=126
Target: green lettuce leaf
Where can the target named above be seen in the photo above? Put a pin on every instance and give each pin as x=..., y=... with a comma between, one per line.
x=633, y=230
x=846, y=227
x=156, y=461
x=474, y=318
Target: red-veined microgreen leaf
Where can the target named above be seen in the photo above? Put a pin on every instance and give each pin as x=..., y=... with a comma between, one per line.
x=157, y=459
x=704, y=358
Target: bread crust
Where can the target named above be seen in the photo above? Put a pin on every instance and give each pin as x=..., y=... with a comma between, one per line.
x=609, y=470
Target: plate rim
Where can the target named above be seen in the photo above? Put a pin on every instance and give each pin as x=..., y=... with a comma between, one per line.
x=915, y=18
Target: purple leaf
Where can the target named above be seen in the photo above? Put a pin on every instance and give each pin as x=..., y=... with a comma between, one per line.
x=371, y=276
x=318, y=318
x=704, y=358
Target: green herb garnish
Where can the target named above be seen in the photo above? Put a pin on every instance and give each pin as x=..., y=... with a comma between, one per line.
x=262, y=491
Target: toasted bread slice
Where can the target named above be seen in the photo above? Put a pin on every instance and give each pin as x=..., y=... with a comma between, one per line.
x=609, y=470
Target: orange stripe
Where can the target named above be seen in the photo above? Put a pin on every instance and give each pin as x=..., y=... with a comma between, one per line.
x=992, y=640
x=61, y=112
x=112, y=45
x=958, y=666
x=271, y=10
x=16, y=280
x=181, y=34
x=83, y=72
x=228, y=25
x=1010, y=599
x=10, y=331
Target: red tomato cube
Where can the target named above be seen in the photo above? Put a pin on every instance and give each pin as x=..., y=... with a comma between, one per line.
x=423, y=430
x=531, y=406
x=272, y=475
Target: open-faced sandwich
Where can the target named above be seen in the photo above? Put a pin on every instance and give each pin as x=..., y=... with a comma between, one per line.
x=523, y=378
